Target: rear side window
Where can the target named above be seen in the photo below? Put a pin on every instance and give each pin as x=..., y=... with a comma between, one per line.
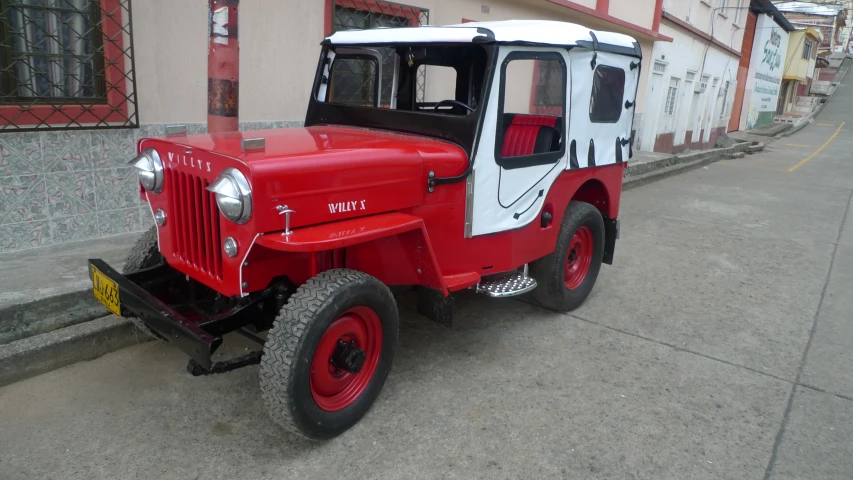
x=608, y=90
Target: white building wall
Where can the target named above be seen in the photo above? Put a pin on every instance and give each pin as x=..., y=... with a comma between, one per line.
x=766, y=68
x=698, y=117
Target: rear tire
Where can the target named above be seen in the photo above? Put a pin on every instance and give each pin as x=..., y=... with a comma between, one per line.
x=305, y=386
x=145, y=254
x=566, y=276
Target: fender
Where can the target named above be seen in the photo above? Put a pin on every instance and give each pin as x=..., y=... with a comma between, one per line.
x=393, y=247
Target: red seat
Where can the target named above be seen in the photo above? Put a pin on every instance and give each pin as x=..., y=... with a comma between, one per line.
x=544, y=120
x=529, y=134
x=522, y=140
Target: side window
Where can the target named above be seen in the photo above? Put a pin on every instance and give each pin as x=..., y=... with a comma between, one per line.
x=531, y=114
x=608, y=90
x=441, y=86
x=361, y=76
x=353, y=81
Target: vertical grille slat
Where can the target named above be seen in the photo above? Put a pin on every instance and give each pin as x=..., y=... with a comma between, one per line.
x=169, y=185
x=217, y=248
x=190, y=225
x=199, y=223
x=185, y=219
x=205, y=217
x=196, y=222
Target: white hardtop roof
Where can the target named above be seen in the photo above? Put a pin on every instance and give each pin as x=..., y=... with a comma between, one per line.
x=542, y=32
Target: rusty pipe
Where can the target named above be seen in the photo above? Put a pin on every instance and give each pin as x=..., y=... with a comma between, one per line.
x=223, y=67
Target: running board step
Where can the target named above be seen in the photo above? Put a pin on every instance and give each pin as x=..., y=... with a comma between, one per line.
x=508, y=286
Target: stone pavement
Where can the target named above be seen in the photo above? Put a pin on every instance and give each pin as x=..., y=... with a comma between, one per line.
x=719, y=345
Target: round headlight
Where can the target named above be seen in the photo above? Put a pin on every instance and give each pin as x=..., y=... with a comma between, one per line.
x=149, y=169
x=233, y=195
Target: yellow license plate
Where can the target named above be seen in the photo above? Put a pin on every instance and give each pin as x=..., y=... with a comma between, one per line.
x=106, y=291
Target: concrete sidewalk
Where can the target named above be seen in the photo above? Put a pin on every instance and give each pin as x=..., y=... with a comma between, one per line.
x=48, y=315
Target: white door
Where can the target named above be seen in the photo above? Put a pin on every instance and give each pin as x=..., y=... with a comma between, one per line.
x=684, y=113
x=521, y=149
x=653, y=106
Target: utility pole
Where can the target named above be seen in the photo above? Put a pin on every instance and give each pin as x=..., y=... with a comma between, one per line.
x=223, y=67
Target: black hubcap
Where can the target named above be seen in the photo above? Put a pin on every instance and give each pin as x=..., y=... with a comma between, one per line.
x=348, y=357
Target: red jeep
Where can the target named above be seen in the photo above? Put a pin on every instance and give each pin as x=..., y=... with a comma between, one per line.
x=484, y=156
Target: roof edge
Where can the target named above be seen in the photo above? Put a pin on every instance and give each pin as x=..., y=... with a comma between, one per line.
x=768, y=8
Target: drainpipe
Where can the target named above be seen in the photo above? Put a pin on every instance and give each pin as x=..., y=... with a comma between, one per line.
x=223, y=67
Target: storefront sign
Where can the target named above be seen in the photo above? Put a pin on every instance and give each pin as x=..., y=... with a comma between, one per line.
x=770, y=47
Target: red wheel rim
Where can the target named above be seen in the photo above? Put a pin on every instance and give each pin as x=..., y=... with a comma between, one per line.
x=334, y=389
x=579, y=258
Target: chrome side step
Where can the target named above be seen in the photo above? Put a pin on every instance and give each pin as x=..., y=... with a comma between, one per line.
x=508, y=286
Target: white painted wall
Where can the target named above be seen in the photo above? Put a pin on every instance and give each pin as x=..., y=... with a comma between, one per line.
x=693, y=111
x=766, y=68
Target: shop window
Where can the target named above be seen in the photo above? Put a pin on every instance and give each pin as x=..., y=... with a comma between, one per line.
x=608, y=91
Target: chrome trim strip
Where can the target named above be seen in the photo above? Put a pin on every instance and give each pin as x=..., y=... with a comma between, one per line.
x=157, y=227
x=243, y=263
x=469, y=205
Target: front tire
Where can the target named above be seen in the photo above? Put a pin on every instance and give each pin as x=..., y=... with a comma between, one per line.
x=329, y=353
x=566, y=276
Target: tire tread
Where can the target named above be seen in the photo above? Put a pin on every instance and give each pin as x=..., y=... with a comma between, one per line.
x=287, y=336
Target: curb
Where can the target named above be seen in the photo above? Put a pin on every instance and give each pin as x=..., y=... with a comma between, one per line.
x=634, y=181
x=39, y=354
x=649, y=172
x=39, y=316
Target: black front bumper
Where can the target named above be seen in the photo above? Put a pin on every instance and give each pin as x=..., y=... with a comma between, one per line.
x=197, y=338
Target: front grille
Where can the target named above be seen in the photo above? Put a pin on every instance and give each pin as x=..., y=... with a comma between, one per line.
x=195, y=237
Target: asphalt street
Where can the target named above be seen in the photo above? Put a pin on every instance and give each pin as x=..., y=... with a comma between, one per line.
x=719, y=345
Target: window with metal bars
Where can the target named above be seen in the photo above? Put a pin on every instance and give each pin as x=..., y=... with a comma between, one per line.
x=63, y=64
x=366, y=14
x=671, y=97
x=51, y=52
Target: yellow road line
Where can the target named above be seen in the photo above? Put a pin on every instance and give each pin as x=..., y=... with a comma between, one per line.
x=803, y=161
x=797, y=145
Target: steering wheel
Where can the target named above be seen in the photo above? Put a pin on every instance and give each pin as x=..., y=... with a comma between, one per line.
x=454, y=102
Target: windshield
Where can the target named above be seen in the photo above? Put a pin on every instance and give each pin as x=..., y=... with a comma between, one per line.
x=440, y=80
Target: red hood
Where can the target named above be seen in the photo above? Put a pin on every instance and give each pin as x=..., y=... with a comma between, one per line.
x=325, y=173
